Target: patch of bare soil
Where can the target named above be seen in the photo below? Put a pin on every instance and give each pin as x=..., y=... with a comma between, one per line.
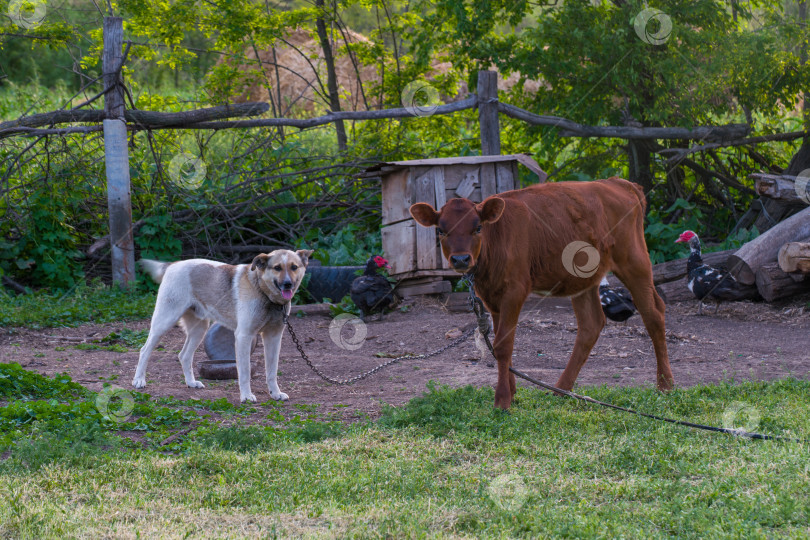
x=745, y=340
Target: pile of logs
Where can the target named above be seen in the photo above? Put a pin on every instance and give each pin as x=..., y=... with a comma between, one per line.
x=778, y=260
x=774, y=265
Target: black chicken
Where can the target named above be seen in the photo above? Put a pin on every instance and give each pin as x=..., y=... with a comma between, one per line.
x=616, y=303
x=707, y=282
x=372, y=292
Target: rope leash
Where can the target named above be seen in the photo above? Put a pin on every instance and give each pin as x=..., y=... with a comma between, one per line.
x=738, y=432
x=479, y=310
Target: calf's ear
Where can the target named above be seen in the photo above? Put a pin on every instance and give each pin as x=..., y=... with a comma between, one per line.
x=490, y=210
x=424, y=214
x=259, y=261
x=304, y=255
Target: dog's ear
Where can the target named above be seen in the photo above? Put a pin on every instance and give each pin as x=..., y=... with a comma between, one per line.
x=490, y=210
x=425, y=214
x=304, y=255
x=260, y=262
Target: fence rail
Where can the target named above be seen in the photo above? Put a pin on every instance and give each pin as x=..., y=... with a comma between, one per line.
x=217, y=118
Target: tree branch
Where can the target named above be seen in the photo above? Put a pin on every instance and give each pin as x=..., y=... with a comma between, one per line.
x=572, y=129
x=791, y=136
x=146, y=118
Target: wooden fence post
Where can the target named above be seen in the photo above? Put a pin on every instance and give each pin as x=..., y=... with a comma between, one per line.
x=488, y=113
x=116, y=156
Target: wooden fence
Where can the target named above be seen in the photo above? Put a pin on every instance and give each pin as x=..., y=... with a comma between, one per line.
x=116, y=120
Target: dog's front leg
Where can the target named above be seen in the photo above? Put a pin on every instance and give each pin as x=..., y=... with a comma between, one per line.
x=272, y=347
x=243, y=343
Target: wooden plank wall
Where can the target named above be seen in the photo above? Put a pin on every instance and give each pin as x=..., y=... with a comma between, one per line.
x=398, y=242
x=410, y=247
x=396, y=197
x=425, y=188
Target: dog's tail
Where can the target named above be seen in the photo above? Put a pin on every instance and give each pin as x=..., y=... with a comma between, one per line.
x=155, y=269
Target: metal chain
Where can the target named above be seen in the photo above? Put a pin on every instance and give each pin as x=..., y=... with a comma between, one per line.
x=458, y=341
x=483, y=327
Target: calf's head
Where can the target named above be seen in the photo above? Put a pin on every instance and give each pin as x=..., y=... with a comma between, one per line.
x=459, y=225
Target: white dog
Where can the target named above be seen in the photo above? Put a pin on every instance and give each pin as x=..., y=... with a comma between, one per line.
x=248, y=299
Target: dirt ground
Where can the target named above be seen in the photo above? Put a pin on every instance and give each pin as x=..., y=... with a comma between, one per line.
x=745, y=340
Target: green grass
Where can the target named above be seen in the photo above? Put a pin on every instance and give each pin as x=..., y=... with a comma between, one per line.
x=97, y=303
x=445, y=465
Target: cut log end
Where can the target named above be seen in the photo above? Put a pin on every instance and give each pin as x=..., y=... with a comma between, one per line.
x=795, y=257
x=741, y=270
x=774, y=284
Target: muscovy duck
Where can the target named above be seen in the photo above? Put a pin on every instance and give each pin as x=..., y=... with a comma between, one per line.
x=707, y=282
x=616, y=303
x=372, y=292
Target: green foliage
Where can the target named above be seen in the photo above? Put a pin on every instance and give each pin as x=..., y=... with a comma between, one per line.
x=18, y=383
x=96, y=347
x=442, y=411
x=133, y=339
x=85, y=303
x=736, y=240
x=661, y=236
x=220, y=405
x=158, y=238
x=591, y=50
x=46, y=247
x=346, y=305
x=256, y=438
x=38, y=57
x=42, y=409
x=350, y=246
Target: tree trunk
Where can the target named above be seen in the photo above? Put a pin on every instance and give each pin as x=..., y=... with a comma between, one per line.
x=116, y=156
x=801, y=160
x=802, y=4
x=331, y=74
x=640, y=160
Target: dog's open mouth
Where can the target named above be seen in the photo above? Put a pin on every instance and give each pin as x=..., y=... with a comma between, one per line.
x=286, y=293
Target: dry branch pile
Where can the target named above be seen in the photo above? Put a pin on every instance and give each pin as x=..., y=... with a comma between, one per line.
x=255, y=196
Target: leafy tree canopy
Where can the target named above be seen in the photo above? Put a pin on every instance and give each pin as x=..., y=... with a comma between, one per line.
x=672, y=62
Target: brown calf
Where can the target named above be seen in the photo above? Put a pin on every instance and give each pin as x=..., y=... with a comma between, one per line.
x=556, y=239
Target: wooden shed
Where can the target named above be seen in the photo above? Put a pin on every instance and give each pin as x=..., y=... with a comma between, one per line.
x=413, y=251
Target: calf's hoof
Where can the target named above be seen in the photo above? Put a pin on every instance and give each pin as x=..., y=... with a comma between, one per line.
x=666, y=385
x=503, y=401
